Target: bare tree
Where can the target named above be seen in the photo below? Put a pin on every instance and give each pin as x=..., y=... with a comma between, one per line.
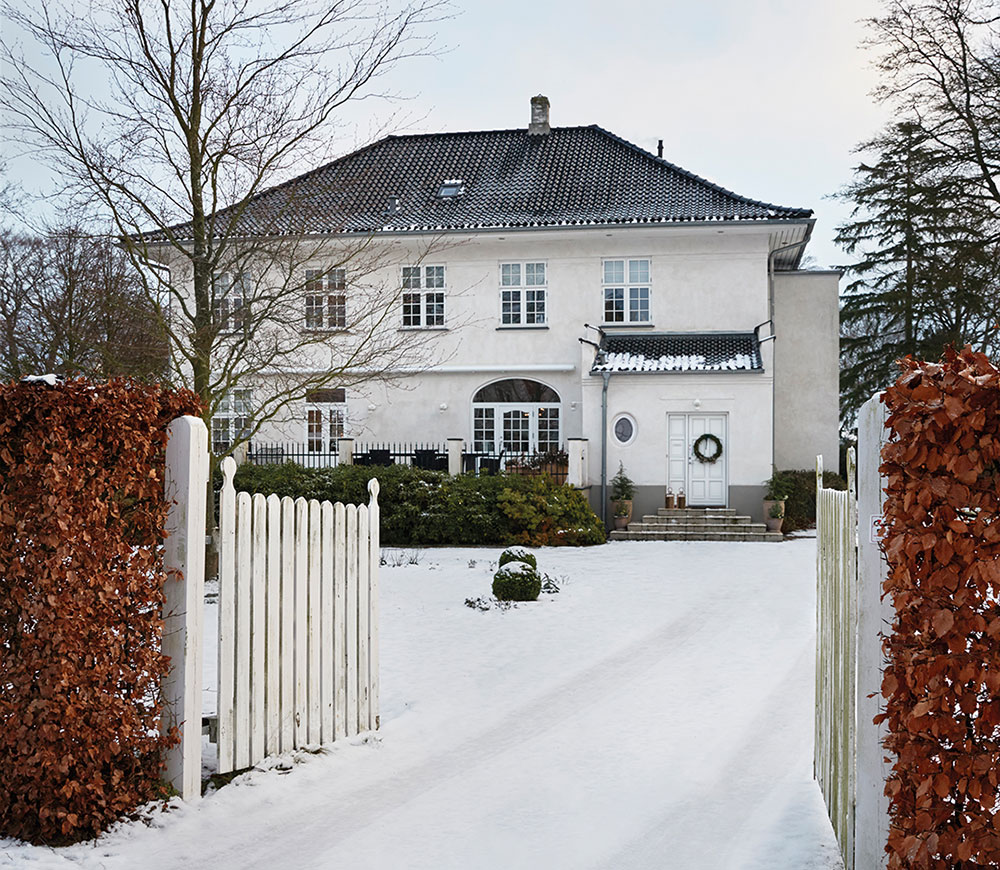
x=940, y=65
x=71, y=303
x=202, y=106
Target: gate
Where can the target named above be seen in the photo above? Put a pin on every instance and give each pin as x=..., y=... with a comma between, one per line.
x=298, y=622
x=836, y=653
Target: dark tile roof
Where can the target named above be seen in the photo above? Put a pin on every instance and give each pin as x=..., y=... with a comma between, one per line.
x=679, y=352
x=570, y=176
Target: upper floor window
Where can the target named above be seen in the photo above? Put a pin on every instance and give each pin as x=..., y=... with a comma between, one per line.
x=423, y=296
x=326, y=299
x=231, y=420
x=522, y=294
x=230, y=300
x=626, y=291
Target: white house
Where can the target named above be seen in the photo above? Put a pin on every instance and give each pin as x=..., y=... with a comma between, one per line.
x=508, y=247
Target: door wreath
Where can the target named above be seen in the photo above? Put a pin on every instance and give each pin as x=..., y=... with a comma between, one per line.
x=704, y=441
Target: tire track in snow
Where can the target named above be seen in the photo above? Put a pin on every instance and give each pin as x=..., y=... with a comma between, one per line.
x=735, y=790
x=338, y=815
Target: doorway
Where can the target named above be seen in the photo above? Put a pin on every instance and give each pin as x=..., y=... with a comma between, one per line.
x=706, y=484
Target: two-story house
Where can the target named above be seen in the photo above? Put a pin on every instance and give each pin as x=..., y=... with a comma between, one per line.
x=505, y=243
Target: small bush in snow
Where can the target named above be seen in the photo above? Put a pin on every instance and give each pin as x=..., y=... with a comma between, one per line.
x=518, y=554
x=517, y=581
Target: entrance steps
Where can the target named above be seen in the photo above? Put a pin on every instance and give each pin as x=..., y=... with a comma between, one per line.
x=695, y=524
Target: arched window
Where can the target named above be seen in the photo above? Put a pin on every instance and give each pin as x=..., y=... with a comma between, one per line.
x=515, y=417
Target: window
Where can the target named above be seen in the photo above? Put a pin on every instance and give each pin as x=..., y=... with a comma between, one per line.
x=229, y=301
x=326, y=420
x=423, y=296
x=231, y=421
x=626, y=291
x=515, y=417
x=522, y=294
x=325, y=299
x=624, y=429
x=451, y=188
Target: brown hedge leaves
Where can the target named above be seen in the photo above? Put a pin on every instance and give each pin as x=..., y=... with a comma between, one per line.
x=81, y=529
x=942, y=682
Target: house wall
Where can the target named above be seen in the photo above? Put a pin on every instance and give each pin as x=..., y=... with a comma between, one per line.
x=806, y=381
x=701, y=278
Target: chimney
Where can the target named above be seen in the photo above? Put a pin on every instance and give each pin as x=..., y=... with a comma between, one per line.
x=659, y=149
x=539, y=125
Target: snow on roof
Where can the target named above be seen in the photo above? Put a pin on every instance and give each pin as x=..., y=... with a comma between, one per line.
x=679, y=352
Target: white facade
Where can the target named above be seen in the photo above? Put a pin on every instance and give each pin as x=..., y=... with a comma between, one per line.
x=701, y=278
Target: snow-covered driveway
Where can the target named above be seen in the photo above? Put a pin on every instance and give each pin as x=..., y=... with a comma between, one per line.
x=656, y=713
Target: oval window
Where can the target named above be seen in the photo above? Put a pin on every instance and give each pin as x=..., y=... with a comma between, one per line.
x=624, y=429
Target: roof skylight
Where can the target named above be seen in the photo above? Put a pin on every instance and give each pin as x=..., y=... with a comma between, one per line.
x=451, y=188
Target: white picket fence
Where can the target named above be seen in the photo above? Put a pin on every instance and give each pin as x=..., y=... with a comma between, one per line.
x=836, y=660
x=298, y=622
x=851, y=615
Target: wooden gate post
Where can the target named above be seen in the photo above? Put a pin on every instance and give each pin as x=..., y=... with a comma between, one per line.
x=874, y=618
x=185, y=485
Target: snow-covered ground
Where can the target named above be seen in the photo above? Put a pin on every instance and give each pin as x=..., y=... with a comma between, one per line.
x=655, y=713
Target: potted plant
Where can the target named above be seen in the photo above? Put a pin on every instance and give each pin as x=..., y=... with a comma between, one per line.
x=622, y=491
x=775, y=516
x=774, y=500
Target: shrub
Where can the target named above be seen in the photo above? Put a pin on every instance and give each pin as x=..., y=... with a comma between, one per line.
x=517, y=581
x=518, y=554
x=799, y=489
x=82, y=515
x=426, y=508
x=622, y=487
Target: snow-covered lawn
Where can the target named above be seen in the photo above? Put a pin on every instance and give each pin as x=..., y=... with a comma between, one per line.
x=655, y=713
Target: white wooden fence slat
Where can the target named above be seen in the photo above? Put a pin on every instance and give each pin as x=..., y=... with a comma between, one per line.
x=374, y=561
x=300, y=621
x=351, y=613
x=364, y=552
x=314, y=616
x=241, y=756
x=272, y=667
x=258, y=639
x=339, y=621
x=327, y=660
x=287, y=620
x=227, y=615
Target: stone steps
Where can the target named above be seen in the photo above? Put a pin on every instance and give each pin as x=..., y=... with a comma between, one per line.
x=623, y=535
x=696, y=524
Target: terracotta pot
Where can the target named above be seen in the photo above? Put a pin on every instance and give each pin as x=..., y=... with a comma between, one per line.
x=774, y=525
x=621, y=522
x=618, y=506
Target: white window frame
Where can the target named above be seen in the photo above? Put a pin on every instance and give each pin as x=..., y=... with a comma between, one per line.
x=531, y=411
x=516, y=294
x=329, y=287
x=633, y=291
x=230, y=303
x=232, y=418
x=331, y=417
x=424, y=293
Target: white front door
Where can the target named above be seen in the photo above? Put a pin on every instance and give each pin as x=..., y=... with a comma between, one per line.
x=704, y=483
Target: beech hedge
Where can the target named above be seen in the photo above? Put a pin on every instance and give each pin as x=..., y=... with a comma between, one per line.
x=82, y=517
x=429, y=508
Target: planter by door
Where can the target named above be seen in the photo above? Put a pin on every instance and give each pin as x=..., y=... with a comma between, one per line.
x=705, y=483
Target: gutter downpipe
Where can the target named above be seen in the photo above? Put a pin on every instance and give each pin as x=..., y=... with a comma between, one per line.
x=770, y=314
x=604, y=448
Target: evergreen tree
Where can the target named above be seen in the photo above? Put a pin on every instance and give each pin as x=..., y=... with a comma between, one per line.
x=925, y=273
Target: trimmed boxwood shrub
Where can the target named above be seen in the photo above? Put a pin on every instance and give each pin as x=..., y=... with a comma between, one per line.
x=517, y=581
x=427, y=508
x=800, y=501
x=518, y=554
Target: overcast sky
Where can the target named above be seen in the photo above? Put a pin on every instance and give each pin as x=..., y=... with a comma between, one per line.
x=765, y=97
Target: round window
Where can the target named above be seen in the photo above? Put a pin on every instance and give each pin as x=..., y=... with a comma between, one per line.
x=624, y=429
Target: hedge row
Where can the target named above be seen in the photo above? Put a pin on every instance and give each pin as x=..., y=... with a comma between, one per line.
x=82, y=518
x=942, y=680
x=424, y=508
x=800, y=495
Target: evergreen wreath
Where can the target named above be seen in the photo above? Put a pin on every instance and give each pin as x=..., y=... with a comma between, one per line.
x=708, y=438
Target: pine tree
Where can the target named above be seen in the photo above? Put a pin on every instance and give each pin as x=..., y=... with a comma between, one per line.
x=924, y=277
